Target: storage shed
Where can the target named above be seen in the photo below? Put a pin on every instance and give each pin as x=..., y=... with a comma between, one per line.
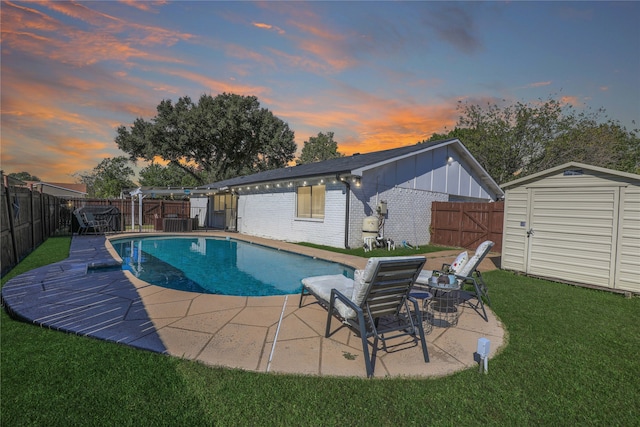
x=575, y=223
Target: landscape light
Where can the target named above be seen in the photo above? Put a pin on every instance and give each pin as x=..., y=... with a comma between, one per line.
x=484, y=346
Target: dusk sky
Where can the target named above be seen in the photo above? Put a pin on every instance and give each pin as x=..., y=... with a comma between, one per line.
x=377, y=74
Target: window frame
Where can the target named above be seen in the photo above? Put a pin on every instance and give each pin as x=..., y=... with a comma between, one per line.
x=312, y=211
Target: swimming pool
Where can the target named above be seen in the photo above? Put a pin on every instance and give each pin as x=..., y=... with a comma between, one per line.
x=220, y=266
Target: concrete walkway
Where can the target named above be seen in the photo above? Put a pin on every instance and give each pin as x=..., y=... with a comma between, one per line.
x=82, y=295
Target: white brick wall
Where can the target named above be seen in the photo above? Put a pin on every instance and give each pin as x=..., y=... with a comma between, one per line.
x=271, y=214
x=408, y=213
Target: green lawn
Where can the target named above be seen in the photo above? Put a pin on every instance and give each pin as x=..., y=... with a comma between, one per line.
x=379, y=252
x=572, y=359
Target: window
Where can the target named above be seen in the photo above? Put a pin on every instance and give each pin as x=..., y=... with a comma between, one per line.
x=311, y=201
x=223, y=201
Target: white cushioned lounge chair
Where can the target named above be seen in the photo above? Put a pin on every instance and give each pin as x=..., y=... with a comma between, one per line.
x=466, y=271
x=374, y=303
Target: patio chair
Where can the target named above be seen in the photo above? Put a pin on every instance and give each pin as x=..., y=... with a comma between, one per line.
x=100, y=224
x=469, y=273
x=374, y=303
x=84, y=225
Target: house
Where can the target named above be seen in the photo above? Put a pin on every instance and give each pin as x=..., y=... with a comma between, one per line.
x=574, y=223
x=340, y=201
x=59, y=189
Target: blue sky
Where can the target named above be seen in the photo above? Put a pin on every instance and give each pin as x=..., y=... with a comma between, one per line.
x=377, y=74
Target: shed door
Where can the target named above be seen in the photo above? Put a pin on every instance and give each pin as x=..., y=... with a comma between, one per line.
x=573, y=234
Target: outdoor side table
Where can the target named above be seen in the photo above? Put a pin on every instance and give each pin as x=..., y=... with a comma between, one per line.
x=441, y=310
x=420, y=292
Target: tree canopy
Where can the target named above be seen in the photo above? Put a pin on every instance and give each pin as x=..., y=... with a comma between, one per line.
x=521, y=139
x=318, y=148
x=24, y=176
x=109, y=178
x=156, y=175
x=216, y=138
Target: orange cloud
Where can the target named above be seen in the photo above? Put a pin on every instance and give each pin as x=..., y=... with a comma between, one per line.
x=319, y=32
x=400, y=125
x=216, y=86
x=538, y=84
x=302, y=62
x=363, y=122
x=570, y=100
x=329, y=46
x=29, y=30
x=143, y=5
x=268, y=27
x=241, y=52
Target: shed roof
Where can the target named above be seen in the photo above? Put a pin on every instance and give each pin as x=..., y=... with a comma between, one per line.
x=73, y=188
x=356, y=165
x=568, y=166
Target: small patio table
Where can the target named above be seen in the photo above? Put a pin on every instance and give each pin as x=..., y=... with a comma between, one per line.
x=441, y=310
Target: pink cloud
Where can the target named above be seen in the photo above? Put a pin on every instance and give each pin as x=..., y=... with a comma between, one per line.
x=29, y=30
x=216, y=86
x=146, y=6
x=570, y=100
x=363, y=122
x=264, y=26
x=540, y=84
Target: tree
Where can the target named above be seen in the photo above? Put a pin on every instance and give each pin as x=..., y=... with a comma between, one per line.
x=522, y=139
x=318, y=148
x=156, y=175
x=24, y=176
x=217, y=138
x=606, y=144
x=109, y=178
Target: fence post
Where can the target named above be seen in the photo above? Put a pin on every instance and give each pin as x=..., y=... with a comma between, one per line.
x=12, y=229
x=460, y=222
x=30, y=220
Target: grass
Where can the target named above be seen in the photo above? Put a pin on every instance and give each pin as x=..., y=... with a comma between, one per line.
x=145, y=227
x=379, y=252
x=572, y=359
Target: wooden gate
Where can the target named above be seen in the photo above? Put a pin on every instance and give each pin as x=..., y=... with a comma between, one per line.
x=467, y=224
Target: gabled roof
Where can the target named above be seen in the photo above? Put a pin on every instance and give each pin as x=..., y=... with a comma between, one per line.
x=567, y=166
x=72, y=188
x=355, y=165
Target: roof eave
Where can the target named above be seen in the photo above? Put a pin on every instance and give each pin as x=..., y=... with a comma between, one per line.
x=568, y=165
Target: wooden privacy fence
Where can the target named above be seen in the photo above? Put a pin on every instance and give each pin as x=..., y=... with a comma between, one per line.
x=118, y=211
x=467, y=224
x=28, y=218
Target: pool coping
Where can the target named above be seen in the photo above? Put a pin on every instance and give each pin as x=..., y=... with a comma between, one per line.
x=260, y=334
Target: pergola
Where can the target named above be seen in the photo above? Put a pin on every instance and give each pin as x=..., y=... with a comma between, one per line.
x=142, y=192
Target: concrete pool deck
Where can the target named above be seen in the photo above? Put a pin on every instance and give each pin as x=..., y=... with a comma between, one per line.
x=261, y=334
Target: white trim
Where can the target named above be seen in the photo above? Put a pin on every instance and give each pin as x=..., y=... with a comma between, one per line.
x=569, y=165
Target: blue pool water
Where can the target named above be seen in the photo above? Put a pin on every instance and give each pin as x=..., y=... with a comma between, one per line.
x=219, y=266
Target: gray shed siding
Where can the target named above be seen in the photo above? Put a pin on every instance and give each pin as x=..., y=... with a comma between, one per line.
x=516, y=224
x=586, y=227
x=628, y=267
x=573, y=234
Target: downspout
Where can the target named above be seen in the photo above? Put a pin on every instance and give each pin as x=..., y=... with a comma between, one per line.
x=346, y=212
x=235, y=195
